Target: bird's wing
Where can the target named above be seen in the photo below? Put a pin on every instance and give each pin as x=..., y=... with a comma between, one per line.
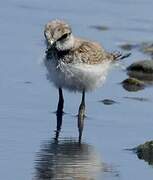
x=93, y=53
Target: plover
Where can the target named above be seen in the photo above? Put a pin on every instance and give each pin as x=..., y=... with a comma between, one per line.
x=74, y=63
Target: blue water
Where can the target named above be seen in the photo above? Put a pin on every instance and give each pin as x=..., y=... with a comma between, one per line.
x=28, y=100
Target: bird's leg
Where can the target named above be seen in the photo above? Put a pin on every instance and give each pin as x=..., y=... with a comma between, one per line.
x=59, y=113
x=81, y=116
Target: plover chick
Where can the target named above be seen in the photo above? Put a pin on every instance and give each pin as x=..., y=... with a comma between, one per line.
x=73, y=63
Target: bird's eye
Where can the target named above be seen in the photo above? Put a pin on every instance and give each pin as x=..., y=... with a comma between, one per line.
x=63, y=37
x=58, y=30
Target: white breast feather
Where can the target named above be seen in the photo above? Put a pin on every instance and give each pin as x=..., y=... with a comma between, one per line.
x=77, y=77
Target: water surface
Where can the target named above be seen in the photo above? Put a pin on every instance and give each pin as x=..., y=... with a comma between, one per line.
x=26, y=109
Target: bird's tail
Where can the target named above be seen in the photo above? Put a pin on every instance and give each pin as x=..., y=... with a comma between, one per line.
x=119, y=56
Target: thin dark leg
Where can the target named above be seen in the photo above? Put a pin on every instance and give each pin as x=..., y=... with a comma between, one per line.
x=81, y=116
x=59, y=113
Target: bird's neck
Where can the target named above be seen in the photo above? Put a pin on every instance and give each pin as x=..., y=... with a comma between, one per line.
x=66, y=45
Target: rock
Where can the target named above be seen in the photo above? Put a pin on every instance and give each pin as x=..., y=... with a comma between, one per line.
x=145, y=66
x=144, y=47
x=147, y=47
x=108, y=101
x=132, y=84
x=145, y=152
x=142, y=70
x=128, y=46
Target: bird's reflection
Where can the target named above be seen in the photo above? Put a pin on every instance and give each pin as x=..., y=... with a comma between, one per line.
x=67, y=159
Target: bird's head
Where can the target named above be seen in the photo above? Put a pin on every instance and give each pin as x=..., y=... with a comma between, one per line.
x=58, y=34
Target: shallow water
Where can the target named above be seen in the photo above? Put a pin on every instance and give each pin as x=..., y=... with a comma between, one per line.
x=28, y=101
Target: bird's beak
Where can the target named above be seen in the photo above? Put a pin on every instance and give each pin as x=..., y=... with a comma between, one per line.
x=50, y=43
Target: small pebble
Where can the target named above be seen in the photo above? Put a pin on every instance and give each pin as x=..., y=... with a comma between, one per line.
x=100, y=28
x=132, y=84
x=147, y=47
x=142, y=70
x=145, y=66
x=108, y=101
x=27, y=82
x=127, y=46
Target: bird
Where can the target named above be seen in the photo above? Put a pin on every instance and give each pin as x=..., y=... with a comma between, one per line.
x=74, y=63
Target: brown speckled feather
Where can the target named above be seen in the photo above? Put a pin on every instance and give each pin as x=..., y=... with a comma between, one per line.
x=92, y=53
x=64, y=47
x=83, y=52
